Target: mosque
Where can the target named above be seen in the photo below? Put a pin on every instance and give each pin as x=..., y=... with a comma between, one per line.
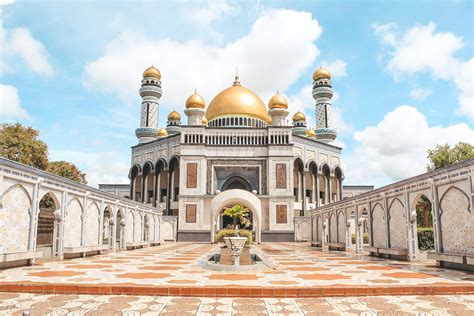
x=235, y=150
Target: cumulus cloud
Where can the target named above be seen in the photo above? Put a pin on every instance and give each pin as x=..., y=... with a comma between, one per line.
x=420, y=93
x=100, y=167
x=10, y=108
x=423, y=49
x=212, y=11
x=396, y=148
x=337, y=68
x=20, y=43
x=278, y=48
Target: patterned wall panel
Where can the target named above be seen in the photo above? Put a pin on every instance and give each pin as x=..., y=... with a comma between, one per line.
x=191, y=175
x=319, y=236
x=378, y=224
x=137, y=227
x=398, y=226
x=15, y=220
x=457, y=222
x=281, y=214
x=190, y=213
x=92, y=225
x=341, y=227
x=280, y=176
x=73, y=224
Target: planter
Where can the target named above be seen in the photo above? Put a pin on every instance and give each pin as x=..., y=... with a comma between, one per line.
x=235, y=245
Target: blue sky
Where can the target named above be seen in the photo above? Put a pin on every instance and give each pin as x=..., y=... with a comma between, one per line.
x=402, y=72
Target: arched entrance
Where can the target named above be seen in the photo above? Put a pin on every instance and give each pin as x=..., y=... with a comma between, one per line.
x=232, y=197
x=236, y=182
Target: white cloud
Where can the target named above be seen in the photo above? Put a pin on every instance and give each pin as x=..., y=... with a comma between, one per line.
x=6, y=2
x=213, y=10
x=396, y=148
x=422, y=49
x=337, y=68
x=10, y=108
x=19, y=42
x=420, y=93
x=100, y=167
x=278, y=48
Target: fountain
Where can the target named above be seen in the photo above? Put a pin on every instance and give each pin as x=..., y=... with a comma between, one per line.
x=235, y=245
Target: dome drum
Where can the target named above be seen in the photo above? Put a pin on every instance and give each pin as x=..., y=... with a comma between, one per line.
x=237, y=121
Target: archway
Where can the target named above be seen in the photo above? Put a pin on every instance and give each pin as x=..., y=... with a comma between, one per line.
x=120, y=229
x=233, y=197
x=424, y=223
x=45, y=228
x=236, y=182
x=107, y=228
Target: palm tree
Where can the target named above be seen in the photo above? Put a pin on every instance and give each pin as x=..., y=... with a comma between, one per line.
x=238, y=211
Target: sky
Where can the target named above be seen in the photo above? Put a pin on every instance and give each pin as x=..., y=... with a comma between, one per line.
x=402, y=72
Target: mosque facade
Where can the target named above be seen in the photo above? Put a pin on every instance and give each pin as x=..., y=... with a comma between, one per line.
x=235, y=150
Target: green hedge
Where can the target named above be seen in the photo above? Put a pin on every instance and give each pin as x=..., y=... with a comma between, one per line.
x=231, y=232
x=365, y=237
x=425, y=238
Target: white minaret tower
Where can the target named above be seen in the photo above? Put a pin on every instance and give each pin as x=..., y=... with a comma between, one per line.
x=322, y=93
x=278, y=109
x=150, y=92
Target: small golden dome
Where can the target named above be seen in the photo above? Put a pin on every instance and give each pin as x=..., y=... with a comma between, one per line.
x=204, y=120
x=299, y=117
x=195, y=101
x=269, y=121
x=174, y=116
x=152, y=72
x=237, y=100
x=162, y=132
x=321, y=73
x=310, y=133
x=278, y=102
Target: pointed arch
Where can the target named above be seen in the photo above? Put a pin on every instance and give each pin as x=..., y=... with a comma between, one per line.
x=73, y=223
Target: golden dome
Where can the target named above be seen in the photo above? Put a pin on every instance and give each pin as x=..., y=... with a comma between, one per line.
x=204, y=120
x=321, y=73
x=152, y=72
x=195, y=101
x=278, y=102
x=237, y=100
x=299, y=117
x=174, y=116
x=162, y=132
x=310, y=133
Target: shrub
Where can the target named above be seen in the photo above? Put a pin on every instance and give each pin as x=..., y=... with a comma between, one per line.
x=365, y=237
x=425, y=238
x=231, y=233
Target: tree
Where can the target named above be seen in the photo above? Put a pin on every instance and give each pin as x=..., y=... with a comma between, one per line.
x=21, y=144
x=444, y=155
x=238, y=212
x=67, y=170
x=423, y=212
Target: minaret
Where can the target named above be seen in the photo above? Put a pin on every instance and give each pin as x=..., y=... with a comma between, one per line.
x=195, y=109
x=322, y=93
x=278, y=112
x=299, y=123
x=150, y=92
x=174, y=123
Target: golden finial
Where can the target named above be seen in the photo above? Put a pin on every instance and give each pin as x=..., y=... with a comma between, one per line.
x=237, y=79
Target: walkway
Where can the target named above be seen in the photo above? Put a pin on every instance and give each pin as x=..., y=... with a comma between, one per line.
x=172, y=270
x=13, y=303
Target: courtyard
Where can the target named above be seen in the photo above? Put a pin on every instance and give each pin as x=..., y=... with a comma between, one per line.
x=175, y=269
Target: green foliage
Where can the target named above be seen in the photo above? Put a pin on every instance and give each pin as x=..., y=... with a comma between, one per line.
x=231, y=233
x=424, y=217
x=238, y=211
x=365, y=237
x=425, y=238
x=21, y=144
x=444, y=155
x=67, y=170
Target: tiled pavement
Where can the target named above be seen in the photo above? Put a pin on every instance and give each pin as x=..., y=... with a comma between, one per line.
x=16, y=303
x=172, y=270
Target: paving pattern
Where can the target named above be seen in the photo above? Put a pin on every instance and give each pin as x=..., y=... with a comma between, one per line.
x=295, y=266
x=16, y=303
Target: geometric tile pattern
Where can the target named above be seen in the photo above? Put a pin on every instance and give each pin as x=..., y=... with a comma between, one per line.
x=15, y=303
x=298, y=270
